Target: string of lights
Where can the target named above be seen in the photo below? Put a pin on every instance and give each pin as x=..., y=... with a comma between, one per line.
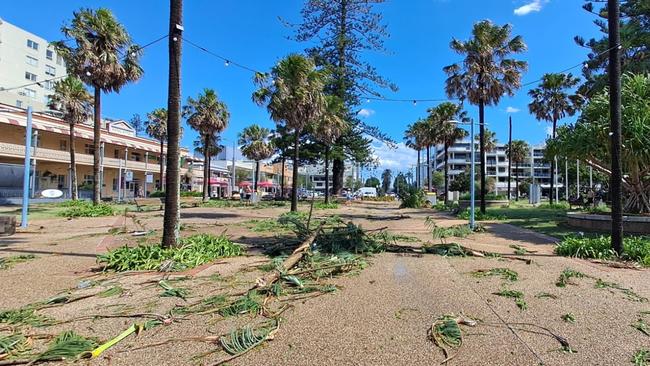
x=226, y=61
x=41, y=82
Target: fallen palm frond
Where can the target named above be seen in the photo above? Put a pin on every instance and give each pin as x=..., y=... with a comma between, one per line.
x=569, y=318
x=67, y=346
x=25, y=316
x=170, y=291
x=513, y=294
x=505, y=273
x=250, y=303
x=13, y=345
x=641, y=357
x=641, y=326
x=542, y=295
x=451, y=250
x=242, y=340
x=99, y=350
x=519, y=250
x=459, y=231
x=8, y=262
x=112, y=291
x=566, y=276
x=629, y=294
x=446, y=333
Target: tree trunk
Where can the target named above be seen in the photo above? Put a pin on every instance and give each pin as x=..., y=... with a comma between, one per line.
x=481, y=113
x=517, y=180
x=615, y=185
x=282, y=181
x=446, y=172
x=327, y=174
x=171, y=222
x=509, y=154
x=418, y=179
x=97, y=138
x=206, y=168
x=551, y=194
x=338, y=168
x=294, y=188
x=256, y=178
x=429, y=168
x=73, y=166
x=161, y=187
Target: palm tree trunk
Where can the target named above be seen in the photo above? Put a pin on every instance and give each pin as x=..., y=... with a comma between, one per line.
x=171, y=221
x=429, y=168
x=294, y=179
x=282, y=181
x=206, y=168
x=509, y=154
x=327, y=174
x=550, y=194
x=481, y=113
x=73, y=166
x=256, y=178
x=97, y=131
x=161, y=187
x=517, y=179
x=446, y=172
x=418, y=179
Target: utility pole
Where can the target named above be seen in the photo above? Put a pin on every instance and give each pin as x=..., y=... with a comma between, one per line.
x=616, y=194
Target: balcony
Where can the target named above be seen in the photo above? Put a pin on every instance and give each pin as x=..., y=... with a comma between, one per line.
x=59, y=156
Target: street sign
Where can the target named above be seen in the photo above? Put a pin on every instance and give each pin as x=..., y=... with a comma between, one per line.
x=128, y=176
x=149, y=178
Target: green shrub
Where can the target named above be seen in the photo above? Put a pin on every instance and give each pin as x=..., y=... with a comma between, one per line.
x=563, y=205
x=635, y=248
x=326, y=206
x=190, y=194
x=194, y=251
x=86, y=209
x=488, y=196
x=157, y=194
x=412, y=197
x=379, y=199
x=479, y=216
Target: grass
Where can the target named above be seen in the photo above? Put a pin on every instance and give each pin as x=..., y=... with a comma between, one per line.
x=642, y=327
x=194, y=251
x=505, y=273
x=326, y=206
x=566, y=276
x=641, y=357
x=9, y=262
x=542, y=219
x=41, y=211
x=74, y=209
x=569, y=318
x=479, y=216
x=635, y=248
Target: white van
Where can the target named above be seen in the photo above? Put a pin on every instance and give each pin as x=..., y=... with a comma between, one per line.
x=366, y=192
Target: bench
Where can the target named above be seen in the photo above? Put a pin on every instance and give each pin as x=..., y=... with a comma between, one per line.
x=141, y=203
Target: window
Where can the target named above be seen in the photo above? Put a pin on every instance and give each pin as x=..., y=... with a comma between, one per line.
x=32, y=61
x=89, y=149
x=31, y=44
x=116, y=154
x=63, y=145
x=48, y=85
x=30, y=76
x=49, y=54
x=135, y=156
x=88, y=180
x=49, y=70
x=59, y=60
x=19, y=103
x=30, y=93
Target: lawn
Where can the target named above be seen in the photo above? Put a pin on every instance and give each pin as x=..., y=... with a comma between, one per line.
x=43, y=211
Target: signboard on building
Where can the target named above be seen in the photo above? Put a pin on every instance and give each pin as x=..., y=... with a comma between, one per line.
x=128, y=175
x=149, y=178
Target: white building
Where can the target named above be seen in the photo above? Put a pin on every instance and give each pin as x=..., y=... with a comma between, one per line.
x=26, y=58
x=459, y=161
x=315, y=175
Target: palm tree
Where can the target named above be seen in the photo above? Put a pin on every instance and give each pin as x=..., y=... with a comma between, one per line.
x=293, y=95
x=97, y=60
x=551, y=103
x=156, y=127
x=255, y=145
x=73, y=100
x=208, y=116
x=414, y=137
x=214, y=147
x=386, y=177
x=329, y=128
x=486, y=74
x=518, y=152
x=490, y=144
x=443, y=117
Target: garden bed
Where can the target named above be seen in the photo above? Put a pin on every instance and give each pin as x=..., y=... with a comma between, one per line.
x=631, y=224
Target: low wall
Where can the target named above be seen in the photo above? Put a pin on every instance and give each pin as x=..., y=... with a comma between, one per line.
x=631, y=224
x=463, y=204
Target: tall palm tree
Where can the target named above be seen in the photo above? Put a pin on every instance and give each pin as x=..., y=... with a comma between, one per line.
x=255, y=145
x=411, y=140
x=552, y=102
x=444, y=117
x=430, y=137
x=490, y=144
x=293, y=95
x=73, y=100
x=213, y=148
x=486, y=74
x=156, y=127
x=100, y=41
x=208, y=116
x=518, y=151
x=327, y=130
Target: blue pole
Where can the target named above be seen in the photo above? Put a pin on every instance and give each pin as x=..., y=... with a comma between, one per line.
x=472, y=174
x=28, y=167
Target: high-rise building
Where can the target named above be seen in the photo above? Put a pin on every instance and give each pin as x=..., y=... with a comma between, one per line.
x=27, y=65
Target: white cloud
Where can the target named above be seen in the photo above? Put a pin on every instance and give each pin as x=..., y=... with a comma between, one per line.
x=398, y=159
x=366, y=112
x=512, y=110
x=531, y=7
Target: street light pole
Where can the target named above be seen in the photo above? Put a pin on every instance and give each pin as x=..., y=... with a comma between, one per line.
x=472, y=177
x=27, y=170
x=616, y=189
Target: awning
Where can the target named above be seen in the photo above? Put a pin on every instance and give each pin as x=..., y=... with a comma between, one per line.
x=266, y=184
x=245, y=184
x=217, y=182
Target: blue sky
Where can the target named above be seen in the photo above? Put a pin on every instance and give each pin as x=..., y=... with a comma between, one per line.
x=249, y=32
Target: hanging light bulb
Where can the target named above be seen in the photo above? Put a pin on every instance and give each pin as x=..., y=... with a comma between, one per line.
x=367, y=100
x=415, y=102
x=226, y=63
x=87, y=73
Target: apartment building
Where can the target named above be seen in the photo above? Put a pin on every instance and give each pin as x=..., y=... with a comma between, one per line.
x=315, y=175
x=535, y=167
x=130, y=163
x=27, y=63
